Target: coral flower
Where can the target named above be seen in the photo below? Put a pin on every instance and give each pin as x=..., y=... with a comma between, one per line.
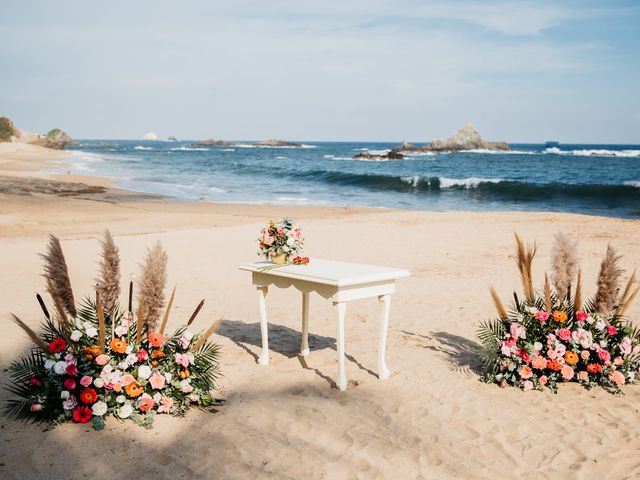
x=559, y=316
x=564, y=334
x=554, y=365
x=146, y=403
x=134, y=389
x=156, y=339
x=88, y=395
x=57, y=345
x=618, y=378
x=594, y=368
x=611, y=330
x=583, y=375
x=102, y=359
x=127, y=378
x=571, y=357
x=157, y=381
x=118, y=346
x=604, y=356
x=526, y=372
x=90, y=352
x=539, y=362
x=543, y=380
x=82, y=414
x=567, y=372
x=158, y=354
x=585, y=354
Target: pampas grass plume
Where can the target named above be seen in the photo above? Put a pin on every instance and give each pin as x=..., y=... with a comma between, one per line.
x=57, y=274
x=108, y=282
x=502, y=312
x=564, y=264
x=524, y=260
x=608, y=281
x=152, y=284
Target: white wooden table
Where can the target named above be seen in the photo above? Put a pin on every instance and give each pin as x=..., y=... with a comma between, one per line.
x=339, y=282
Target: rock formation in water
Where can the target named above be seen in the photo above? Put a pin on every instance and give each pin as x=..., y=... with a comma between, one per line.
x=56, y=138
x=210, y=142
x=391, y=155
x=277, y=143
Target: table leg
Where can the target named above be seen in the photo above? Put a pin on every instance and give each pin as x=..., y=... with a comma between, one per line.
x=341, y=308
x=264, y=330
x=304, y=345
x=383, y=371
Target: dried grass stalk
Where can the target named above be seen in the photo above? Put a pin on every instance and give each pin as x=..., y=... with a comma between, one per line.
x=108, y=282
x=547, y=294
x=55, y=270
x=139, y=320
x=102, y=325
x=564, y=264
x=608, y=281
x=628, y=287
x=165, y=319
x=29, y=331
x=502, y=312
x=628, y=302
x=524, y=260
x=577, y=302
x=212, y=329
x=63, y=320
x=152, y=284
x=195, y=312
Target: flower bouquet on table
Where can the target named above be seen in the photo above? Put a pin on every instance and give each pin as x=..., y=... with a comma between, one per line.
x=282, y=242
x=556, y=335
x=98, y=359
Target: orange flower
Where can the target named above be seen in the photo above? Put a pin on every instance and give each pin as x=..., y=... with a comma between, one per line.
x=539, y=362
x=134, y=389
x=118, y=346
x=158, y=354
x=184, y=373
x=559, y=316
x=89, y=353
x=156, y=339
x=146, y=403
x=154, y=363
x=88, y=395
x=554, y=365
x=571, y=357
x=594, y=368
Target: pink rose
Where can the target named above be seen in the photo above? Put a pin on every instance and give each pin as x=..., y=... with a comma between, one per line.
x=184, y=359
x=543, y=380
x=86, y=380
x=564, y=334
x=510, y=342
x=567, y=372
x=542, y=316
x=143, y=355
x=583, y=376
x=127, y=379
x=36, y=407
x=581, y=316
x=552, y=354
x=186, y=386
x=165, y=405
x=503, y=384
x=604, y=356
x=157, y=381
x=72, y=370
x=611, y=330
x=102, y=359
x=617, y=377
x=618, y=361
x=527, y=385
x=539, y=363
x=585, y=354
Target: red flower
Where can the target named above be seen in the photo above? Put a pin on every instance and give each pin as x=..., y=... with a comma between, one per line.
x=604, y=356
x=143, y=355
x=35, y=382
x=594, y=368
x=522, y=353
x=82, y=414
x=88, y=395
x=554, y=365
x=70, y=384
x=72, y=370
x=57, y=345
x=611, y=330
x=581, y=316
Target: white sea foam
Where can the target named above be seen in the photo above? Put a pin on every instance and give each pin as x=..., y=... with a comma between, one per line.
x=498, y=152
x=632, y=183
x=413, y=181
x=281, y=158
x=471, y=182
x=328, y=156
x=594, y=152
x=140, y=147
x=217, y=190
x=227, y=149
x=189, y=149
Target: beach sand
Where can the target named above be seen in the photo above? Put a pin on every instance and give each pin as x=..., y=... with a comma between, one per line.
x=431, y=419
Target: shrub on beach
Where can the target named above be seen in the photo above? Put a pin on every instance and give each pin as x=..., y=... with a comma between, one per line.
x=7, y=129
x=555, y=336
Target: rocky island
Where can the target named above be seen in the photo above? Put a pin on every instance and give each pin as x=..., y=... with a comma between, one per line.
x=210, y=142
x=56, y=138
x=277, y=143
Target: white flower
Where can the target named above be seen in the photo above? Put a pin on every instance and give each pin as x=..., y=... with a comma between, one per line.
x=131, y=359
x=124, y=411
x=60, y=367
x=70, y=403
x=194, y=397
x=129, y=349
x=144, y=372
x=167, y=377
x=92, y=332
x=98, y=382
x=185, y=339
x=632, y=376
x=120, y=398
x=600, y=325
x=121, y=330
x=537, y=346
x=64, y=394
x=531, y=310
x=157, y=397
x=76, y=335
x=185, y=386
x=99, y=408
x=48, y=364
x=590, y=320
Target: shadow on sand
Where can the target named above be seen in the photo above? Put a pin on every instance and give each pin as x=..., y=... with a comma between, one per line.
x=460, y=352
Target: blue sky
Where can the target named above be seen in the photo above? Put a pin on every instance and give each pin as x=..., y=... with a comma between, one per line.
x=331, y=70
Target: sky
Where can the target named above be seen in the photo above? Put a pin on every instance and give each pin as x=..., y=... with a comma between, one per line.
x=358, y=70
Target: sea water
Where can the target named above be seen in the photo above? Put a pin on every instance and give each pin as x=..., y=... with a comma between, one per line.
x=588, y=179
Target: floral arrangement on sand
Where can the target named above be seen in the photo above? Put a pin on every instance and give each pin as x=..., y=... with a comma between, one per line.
x=282, y=241
x=97, y=360
x=556, y=335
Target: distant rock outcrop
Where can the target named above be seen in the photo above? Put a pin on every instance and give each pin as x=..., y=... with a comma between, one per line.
x=467, y=138
x=56, y=138
x=210, y=142
x=277, y=143
x=391, y=155
x=171, y=138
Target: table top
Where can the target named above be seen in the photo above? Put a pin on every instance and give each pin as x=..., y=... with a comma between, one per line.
x=330, y=272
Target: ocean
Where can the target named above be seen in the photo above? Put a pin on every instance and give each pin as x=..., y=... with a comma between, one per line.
x=587, y=179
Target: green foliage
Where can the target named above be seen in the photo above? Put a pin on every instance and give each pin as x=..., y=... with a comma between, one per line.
x=7, y=129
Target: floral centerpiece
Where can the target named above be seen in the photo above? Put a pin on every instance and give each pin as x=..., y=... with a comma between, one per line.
x=282, y=241
x=101, y=360
x=556, y=336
